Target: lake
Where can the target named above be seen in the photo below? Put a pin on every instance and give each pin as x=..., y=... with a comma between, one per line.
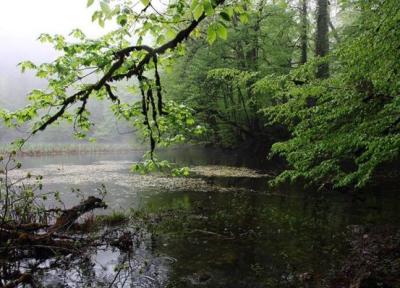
x=220, y=227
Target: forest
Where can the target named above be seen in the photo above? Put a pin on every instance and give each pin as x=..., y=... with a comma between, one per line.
x=201, y=143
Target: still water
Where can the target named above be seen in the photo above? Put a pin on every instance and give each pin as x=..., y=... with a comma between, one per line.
x=220, y=227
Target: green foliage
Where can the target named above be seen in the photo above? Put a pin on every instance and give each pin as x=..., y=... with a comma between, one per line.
x=22, y=200
x=343, y=129
x=152, y=163
x=346, y=127
x=176, y=125
x=217, y=81
x=112, y=59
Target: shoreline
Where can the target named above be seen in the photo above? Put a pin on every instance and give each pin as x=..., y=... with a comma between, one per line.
x=37, y=150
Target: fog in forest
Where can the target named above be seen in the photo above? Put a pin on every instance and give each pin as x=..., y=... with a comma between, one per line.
x=53, y=17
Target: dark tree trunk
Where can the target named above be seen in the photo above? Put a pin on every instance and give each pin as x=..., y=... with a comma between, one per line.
x=256, y=29
x=304, y=31
x=322, y=39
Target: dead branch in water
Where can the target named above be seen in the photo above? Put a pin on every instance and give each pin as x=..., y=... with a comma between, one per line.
x=44, y=241
x=68, y=217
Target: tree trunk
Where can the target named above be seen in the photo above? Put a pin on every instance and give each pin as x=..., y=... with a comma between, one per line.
x=254, y=52
x=304, y=31
x=322, y=38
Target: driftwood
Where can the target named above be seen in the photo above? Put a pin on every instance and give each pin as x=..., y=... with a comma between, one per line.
x=44, y=235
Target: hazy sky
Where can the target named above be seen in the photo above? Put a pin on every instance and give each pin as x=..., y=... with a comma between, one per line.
x=22, y=21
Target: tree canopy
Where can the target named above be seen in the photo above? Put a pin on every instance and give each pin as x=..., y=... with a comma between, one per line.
x=334, y=117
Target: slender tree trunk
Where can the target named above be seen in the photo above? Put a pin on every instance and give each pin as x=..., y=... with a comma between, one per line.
x=322, y=38
x=240, y=54
x=304, y=31
x=254, y=53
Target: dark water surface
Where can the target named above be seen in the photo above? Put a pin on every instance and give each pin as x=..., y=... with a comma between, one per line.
x=219, y=231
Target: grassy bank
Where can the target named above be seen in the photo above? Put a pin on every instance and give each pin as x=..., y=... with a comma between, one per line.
x=39, y=149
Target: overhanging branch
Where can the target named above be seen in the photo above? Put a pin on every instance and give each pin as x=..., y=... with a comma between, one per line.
x=134, y=70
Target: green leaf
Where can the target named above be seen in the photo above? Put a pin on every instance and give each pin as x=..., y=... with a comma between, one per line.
x=244, y=18
x=194, y=4
x=211, y=35
x=229, y=10
x=78, y=34
x=101, y=23
x=208, y=8
x=170, y=34
x=239, y=9
x=222, y=32
x=44, y=37
x=96, y=15
x=116, y=10
x=198, y=11
x=105, y=8
x=122, y=19
x=190, y=121
x=145, y=2
x=89, y=3
x=26, y=65
x=161, y=39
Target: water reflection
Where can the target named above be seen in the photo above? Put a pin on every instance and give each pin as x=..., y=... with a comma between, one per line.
x=105, y=265
x=257, y=240
x=212, y=230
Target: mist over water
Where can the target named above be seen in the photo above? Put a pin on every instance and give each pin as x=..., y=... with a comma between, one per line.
x=18, y=38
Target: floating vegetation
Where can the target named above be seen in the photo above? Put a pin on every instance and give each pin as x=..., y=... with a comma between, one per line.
x=227, y=171
x=117, y=172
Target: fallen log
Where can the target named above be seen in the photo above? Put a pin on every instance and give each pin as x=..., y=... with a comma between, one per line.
x=42, y=241
x=28, y=227
x=68, y=217
x=48, y=236
x=24, y=278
